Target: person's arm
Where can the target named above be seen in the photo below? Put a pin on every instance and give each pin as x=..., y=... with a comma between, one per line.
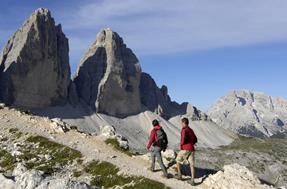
x=151, y=139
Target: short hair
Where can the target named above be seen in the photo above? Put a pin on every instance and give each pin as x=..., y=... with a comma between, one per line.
x=185, y=121
x=155, y=122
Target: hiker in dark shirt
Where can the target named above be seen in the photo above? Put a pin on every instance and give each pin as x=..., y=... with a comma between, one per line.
x=187, y=142
x=158, y=142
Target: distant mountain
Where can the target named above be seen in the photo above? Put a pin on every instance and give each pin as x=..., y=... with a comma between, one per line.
x=250, y=113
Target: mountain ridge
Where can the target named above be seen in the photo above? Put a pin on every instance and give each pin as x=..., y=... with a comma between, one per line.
x=250, y=113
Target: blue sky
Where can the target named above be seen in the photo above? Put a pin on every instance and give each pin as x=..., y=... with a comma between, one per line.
x=201, y=49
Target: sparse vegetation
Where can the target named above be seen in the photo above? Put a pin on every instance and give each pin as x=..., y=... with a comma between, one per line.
x=60, y=155
x=13, y=130
x=114, y=142
x=106, y=174
x=7, y=161
x=254, y=153
x=77, y=173
x=270, y=146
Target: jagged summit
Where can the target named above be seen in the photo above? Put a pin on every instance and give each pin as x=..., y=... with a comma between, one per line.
x=108, y=76
x=35, y=70
x=250, y=113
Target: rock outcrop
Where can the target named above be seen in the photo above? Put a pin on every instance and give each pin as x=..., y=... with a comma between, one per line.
x=108, y=76
x=234, y=177
x=34, y=179
x=157, y=100
x=252, y=114
x=34, y=66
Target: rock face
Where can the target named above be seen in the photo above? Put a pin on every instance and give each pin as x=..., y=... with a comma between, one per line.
x=108, y=76
x=34, y=66
x=234, y=177
x=157, y=100
x=252, y=114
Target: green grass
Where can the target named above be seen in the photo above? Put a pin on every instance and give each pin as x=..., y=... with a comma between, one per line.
x=147, y=184
x=106, y=175
x=60, y=155
x=271, y=146
x=7, y=160
x=114, y=142
x=77, y=173
x=13, y=130
x=18, y=134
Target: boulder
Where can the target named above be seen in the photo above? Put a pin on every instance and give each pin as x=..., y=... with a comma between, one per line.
x=169, y=154
x=123, y=142
x=64, y=183
x=108, y=76
x=6, y=183
x=29, y=180
x=34, y=65
x=108, y=131
x=58, y=126
x=234, y=177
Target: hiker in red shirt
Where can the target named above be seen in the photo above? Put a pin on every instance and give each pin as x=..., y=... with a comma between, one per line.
x=187, y=142
x=158, y=141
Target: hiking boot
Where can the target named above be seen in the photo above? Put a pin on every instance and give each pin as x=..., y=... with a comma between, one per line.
x=168, y=176
x=151, y=170
x=178, y=177
x=191, y=182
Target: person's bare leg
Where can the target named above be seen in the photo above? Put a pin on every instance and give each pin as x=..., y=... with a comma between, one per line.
x=192, y=168
x=178, y=166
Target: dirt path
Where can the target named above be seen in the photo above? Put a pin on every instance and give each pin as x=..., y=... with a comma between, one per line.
x=92, y=147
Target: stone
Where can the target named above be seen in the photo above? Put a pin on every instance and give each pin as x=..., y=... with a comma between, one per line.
x=108, y=131
x=2, y=105
x=34, y=65
x=58, y=126
x=6, y=183
x=29, y=180
x=250, y=113
x=234, y=176
x=64, y=183
x=123, y=142
x=108, y=76
x=169, y=154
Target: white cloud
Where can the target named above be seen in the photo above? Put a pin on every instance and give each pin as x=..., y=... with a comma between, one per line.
x=176, y=26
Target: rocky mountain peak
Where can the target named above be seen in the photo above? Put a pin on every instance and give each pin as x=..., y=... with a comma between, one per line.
x=34, y=70
x=108, y=76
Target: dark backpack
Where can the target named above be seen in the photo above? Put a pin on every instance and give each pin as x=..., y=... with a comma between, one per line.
x=162, y=140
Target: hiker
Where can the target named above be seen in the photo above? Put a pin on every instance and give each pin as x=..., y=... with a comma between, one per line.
x=187, y=142
x=158, y=141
